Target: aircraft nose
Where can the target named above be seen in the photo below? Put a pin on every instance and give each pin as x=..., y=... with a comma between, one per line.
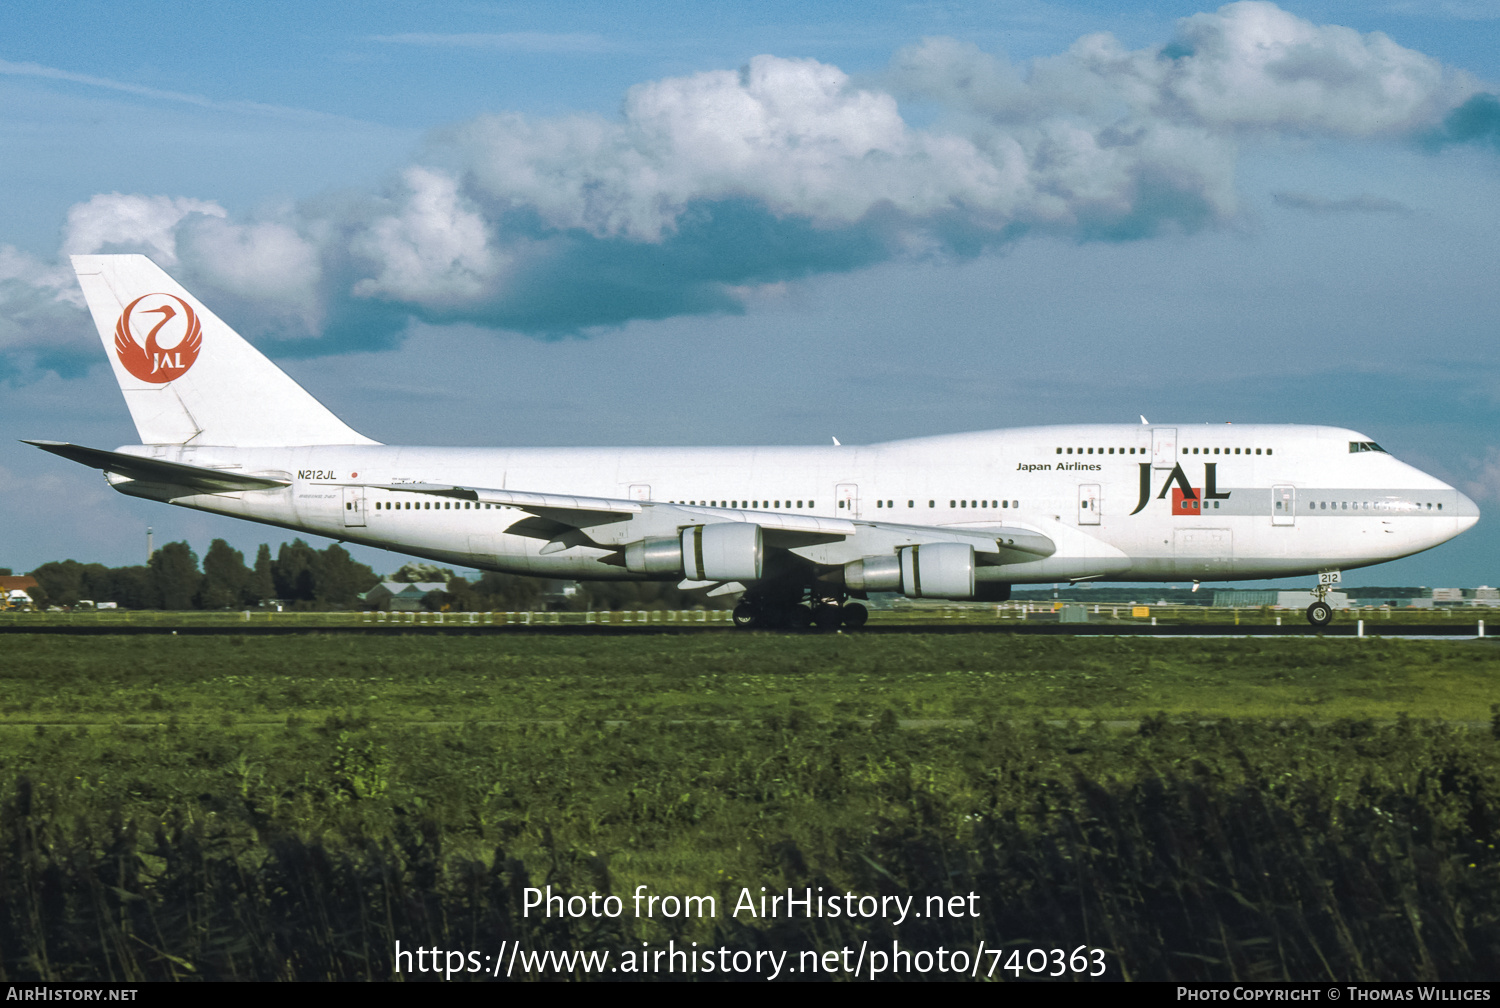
x=1465, y=510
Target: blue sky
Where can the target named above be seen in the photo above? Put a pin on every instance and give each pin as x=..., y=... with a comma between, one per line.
x=522, y=224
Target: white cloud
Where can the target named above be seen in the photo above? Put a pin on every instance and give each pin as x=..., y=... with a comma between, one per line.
x=132, y=222
x=269, y=262
x=1485, y=486
x=39, y=308
x=433, y=251
x=715, y=183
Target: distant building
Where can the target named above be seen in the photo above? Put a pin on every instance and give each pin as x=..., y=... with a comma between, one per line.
x=18, y=591
x=1254, y=598
x=401, y=596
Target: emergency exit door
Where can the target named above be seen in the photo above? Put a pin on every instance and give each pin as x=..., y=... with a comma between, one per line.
x=1088, y=504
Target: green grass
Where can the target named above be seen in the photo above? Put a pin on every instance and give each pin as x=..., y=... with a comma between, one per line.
x=228, y=680
x=289, y=807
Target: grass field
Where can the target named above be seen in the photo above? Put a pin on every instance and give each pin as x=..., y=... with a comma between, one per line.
x=290, y=807
x=223, y=681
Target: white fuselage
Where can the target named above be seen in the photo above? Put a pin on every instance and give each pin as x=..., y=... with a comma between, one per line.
x=1120, y=502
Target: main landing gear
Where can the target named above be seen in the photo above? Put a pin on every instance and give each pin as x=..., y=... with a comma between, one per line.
x=775, y=614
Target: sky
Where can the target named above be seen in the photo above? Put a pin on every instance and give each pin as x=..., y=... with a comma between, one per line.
x=767, y=223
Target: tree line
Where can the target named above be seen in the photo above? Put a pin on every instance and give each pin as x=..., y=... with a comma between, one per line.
x=298, y=574
x=301, y=577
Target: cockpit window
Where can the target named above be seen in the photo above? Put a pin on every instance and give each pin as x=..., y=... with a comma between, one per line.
x=1364, y=446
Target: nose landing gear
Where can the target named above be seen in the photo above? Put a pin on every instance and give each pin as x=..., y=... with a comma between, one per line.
x=1320, y=613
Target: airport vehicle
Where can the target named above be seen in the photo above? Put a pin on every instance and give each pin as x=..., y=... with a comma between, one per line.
x=801, y=531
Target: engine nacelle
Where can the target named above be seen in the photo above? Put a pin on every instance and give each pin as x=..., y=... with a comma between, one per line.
x=725, y=551
x=873, y=574
x=932, y=570
x=938, y=570
x=661, y=555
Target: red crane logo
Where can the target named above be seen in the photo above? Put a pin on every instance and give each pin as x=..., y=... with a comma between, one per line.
x=169, y=349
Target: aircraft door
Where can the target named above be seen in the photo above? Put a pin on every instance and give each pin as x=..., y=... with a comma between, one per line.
x=1088, y=504
x=847, y=497
x=354, y=507
x=1163, y=447
x=640, y=491
x=1283, y=504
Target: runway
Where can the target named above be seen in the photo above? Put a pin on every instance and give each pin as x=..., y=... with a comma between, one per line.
x=1371, y=628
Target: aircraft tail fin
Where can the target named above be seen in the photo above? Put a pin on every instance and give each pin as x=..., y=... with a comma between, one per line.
x=187, y=377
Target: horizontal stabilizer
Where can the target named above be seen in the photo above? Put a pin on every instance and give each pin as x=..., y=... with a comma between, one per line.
x=159, y=470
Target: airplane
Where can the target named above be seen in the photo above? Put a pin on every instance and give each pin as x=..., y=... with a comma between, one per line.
x=802, y=533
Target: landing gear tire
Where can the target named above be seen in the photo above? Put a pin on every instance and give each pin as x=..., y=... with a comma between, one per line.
x=827, y=617
x=747, y=617
x=855, y=615
x=1320, y=614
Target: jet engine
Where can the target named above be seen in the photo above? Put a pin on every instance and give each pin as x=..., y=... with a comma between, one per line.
x=725, y=551
x=931, y=570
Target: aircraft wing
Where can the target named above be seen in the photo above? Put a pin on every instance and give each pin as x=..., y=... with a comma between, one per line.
x=565, y=520
x=148, y=470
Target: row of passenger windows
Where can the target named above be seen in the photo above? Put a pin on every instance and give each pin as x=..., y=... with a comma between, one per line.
x=749, y=503
x=1370, y=506
x=467, y=505
x=952, y=504
x=1185, y=451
